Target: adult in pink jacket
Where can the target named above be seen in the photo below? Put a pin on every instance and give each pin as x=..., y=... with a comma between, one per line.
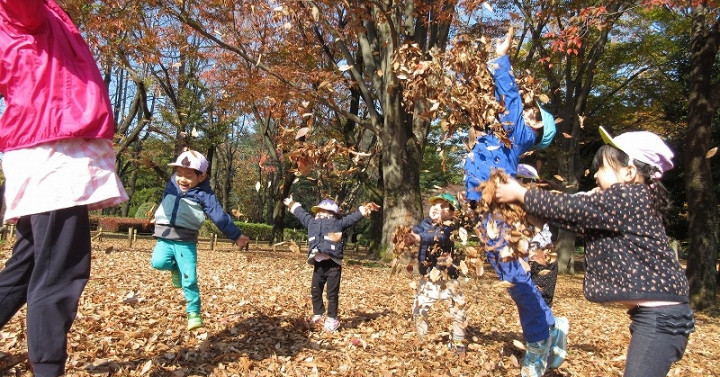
x=59, y=163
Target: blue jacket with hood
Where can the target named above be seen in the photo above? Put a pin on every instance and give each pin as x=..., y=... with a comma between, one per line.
x=181, y=214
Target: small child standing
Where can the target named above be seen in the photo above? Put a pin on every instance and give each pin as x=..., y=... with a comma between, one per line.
x=325, y=239
x=543, y=271
x=439, y=274
x=186, y=200
x=628, y=256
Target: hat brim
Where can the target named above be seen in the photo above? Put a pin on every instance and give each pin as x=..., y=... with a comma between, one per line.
x=607, y=138
x=315, y=209
x=454, y=203
x=549, y=128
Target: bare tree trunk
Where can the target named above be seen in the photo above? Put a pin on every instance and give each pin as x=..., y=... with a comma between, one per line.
x=401, y=158
x=702, y=205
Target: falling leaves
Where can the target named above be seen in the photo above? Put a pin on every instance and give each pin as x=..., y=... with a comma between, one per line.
x=456, y=87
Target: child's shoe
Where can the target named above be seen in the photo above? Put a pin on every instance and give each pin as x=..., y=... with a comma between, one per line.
x=331, y=324
x=534, y=364
x=558, y=337
x=458, y=348
x=315, y=320
x=175, y=278
x=194, y=321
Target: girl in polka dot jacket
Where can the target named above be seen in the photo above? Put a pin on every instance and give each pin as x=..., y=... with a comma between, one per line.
x=627, y=254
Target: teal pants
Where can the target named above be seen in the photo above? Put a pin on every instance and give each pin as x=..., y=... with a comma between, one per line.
x=181, y=255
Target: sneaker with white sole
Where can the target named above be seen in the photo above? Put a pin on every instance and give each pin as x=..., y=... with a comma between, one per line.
x=558, y=337
x=315, y=321
x=458, y=348
x=175, y=278
x=331, y=324
x=534, y=364
x=194, y=321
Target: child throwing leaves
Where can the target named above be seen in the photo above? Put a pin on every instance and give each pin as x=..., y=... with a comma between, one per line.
x=545, y=335
x=186, y=201
x=439, y=274
x=627, y=253
x=325, y=239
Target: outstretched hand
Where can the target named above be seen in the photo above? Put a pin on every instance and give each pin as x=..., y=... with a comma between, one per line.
x=372, y=206
x=288, y=201
x=411, y=238
x=242, y=242
x=510, y=191
x=503, y=47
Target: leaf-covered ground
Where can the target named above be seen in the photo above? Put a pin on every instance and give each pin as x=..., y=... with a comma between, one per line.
x=132, y=323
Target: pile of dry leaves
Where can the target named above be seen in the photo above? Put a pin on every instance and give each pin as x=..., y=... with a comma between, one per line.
x=131, y=322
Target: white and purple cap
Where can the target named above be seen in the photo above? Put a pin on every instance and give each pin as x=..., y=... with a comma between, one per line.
x=193, y=160
x=327, y=205
x=643, y=146
x=527, y=171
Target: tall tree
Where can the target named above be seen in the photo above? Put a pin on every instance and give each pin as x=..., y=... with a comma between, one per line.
x=359, y=40
x=703, y=106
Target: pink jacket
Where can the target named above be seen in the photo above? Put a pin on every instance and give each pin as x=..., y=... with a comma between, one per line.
x=51, y=83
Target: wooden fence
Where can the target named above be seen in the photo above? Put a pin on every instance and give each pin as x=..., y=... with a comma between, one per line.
x=213, y=243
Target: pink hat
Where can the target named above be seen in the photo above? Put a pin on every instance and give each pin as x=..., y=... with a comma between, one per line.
x=643, y=146
x=327, y=205
x=193, y=160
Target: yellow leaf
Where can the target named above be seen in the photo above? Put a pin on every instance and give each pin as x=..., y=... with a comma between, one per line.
x=503, y=284
x=463, y=235
x=711, y=152
x=146, y=367
x=518, y=344
x=302, y=132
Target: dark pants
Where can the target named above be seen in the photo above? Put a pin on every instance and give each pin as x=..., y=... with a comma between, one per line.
x=328, y=272
x=545, y=278
x=659, y=338
x=48, y=270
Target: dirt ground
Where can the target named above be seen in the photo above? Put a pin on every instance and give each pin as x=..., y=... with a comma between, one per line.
x=131, y=322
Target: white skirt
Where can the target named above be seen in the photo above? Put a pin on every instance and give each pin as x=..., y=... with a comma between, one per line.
x=61, y=174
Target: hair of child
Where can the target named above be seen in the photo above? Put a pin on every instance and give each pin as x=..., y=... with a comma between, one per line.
x=618, y=159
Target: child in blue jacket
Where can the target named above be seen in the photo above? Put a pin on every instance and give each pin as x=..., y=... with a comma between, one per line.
x=325, y=239
x=545, y=335
x=438, y=270
x=186, y=201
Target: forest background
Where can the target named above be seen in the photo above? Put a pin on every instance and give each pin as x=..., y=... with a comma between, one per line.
x=377, y=100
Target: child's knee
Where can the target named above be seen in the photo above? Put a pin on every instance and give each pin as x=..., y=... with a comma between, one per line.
x=162, y=263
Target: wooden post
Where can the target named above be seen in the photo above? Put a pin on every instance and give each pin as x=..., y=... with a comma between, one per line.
x=213, y=241
x=130, y=236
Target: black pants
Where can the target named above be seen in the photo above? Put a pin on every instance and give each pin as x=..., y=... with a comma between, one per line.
x=328, y=272
x=659, y=338
x=48, y=270
x=545, y=277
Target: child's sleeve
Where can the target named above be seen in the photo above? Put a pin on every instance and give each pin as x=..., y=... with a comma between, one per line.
x=439, y=236
x=506, y=89
x=351, y=219
x=222, y=220
x=575, y=213
x=27, y=15
x=301, y=214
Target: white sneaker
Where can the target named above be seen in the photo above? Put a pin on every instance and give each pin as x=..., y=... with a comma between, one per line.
x=331, y=324
x=558, y=335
